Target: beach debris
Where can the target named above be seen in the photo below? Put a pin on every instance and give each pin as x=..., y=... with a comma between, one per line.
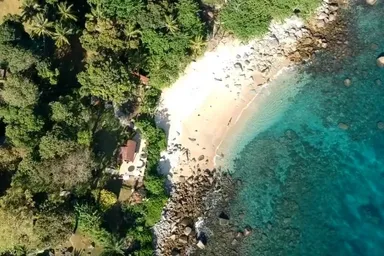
x=187, y=231
x=371, y=2
x=380, y=62
x=200, y=245
x=223, y=219
x=343, y=126
x=380, y=125
x=192, y=139
x=347, y=82
x=238, y=65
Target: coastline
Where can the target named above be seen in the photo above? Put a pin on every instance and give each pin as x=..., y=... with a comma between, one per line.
x=200, y=133
x=191, y=111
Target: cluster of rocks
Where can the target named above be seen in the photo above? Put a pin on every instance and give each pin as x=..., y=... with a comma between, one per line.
x=177, y=233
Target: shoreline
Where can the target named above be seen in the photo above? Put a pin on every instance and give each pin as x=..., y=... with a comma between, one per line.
x=200, y=110
x=243, y=116
x=195, y=122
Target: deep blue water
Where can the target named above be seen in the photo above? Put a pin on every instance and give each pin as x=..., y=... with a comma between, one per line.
x=309, y=187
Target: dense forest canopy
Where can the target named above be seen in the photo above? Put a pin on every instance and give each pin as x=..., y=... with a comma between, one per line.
x=66, y=67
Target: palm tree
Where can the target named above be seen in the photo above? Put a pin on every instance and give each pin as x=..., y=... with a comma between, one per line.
x=95, y=14
x=30, y=9
x=132, y=35
x=40, y=26
x=65, y=11
x=171, y=24
x=114, y=247
x=197, y=45
x=61, y=35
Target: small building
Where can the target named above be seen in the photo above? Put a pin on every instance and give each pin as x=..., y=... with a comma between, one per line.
x=128, y=152
x=132, y=160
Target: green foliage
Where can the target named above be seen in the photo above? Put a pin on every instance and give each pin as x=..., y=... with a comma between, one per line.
x=23, y=225
x=108, y=81
x=16, y=59
x=89, y=221
x=249, y=18
x=53, y=145
x=19, y=92
x=156, y=142
x=106, y=199
x=44, y=71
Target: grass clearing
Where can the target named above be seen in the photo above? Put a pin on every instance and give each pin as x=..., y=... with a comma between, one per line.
x=9, y=7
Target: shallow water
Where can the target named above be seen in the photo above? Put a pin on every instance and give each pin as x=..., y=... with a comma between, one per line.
x=309, y=187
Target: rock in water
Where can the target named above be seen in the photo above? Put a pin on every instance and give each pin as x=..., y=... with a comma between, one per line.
x=380, y=125
x=347, y=82
x=380, y=61
x=343, y=126
x=200, y=244
x=371, y=2
x=223, y=219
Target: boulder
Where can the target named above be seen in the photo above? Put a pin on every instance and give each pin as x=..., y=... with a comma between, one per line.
x=175, y=252
x=380, y=62
x=333, y=7
x=320, y=24
x=378, y=82
x=223, y=219
x=187, y=231
x=371, y=2
x=201, y=245
x=247, y=231
x=173, y=237
x=343, y=126
x=234, y=242
x=380, y=125
x=201, y=158
x=186, y=221
x=183, y=239
x=347, y=82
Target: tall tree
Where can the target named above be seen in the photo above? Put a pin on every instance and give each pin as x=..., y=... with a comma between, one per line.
x=40, y=26
x=65, y=11
x=61, y=35
x=30, y=9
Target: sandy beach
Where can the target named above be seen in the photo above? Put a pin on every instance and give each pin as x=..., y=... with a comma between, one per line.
x=208, y=100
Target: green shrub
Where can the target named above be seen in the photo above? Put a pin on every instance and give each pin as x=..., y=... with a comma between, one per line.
x=250, y=18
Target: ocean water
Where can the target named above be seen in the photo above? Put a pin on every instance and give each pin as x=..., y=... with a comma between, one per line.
x=308, y=186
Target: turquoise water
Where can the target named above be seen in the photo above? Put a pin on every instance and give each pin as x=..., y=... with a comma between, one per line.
x=309, y=187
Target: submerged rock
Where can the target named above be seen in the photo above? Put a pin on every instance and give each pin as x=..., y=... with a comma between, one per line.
x=200, y=245
x=347, y=82
x=223, y=219
x=343, y=126
x=380, y=125
x=371, y=2
x=380, y=61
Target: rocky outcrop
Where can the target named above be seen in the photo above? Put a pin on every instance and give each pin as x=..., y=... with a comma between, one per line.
x=177, y=231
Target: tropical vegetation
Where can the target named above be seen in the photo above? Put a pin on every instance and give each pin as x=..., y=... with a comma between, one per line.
x=69, y=67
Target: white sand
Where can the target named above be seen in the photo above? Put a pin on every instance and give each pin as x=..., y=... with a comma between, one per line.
x=208, y=99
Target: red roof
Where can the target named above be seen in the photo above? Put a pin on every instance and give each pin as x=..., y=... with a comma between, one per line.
x=127, y=153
